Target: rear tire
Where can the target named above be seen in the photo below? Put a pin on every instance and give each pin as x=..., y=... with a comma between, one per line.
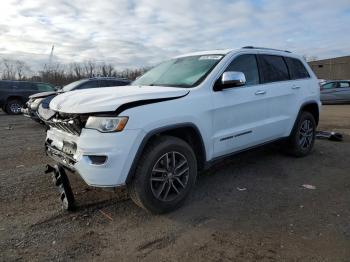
x=13, y=107
x=302, y=138
x=165, y=175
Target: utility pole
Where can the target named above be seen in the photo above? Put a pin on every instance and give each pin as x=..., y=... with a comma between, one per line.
x=50, y=58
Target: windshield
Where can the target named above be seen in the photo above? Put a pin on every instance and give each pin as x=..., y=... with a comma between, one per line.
x=72, y=86
x=180, y=72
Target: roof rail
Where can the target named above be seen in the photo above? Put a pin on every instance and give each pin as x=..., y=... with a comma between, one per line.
x=264, y=48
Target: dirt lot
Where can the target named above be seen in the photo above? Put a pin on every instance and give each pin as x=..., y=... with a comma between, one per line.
x=274, y=219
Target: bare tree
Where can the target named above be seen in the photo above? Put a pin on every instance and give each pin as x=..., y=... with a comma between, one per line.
x=90, y=68
x=77, y=69
x=22, y=69
x=9, y=71
x=62, y=74
x=106, y=70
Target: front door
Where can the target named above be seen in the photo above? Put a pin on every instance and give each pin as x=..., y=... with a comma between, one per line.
x=240, y=113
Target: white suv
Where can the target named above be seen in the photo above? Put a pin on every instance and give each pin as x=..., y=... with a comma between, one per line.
x=180, y=117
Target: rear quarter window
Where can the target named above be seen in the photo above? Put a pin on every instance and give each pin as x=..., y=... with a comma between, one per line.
x=272, y=68
x=344, y=84
x=296, y=68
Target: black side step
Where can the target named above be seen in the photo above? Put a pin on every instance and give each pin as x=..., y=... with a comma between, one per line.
x=61, y=181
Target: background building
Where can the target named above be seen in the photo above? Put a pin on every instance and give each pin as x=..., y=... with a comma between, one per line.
x=337, y=68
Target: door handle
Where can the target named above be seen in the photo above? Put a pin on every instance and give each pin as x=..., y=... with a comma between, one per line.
x=295, y=87
x=260, y=92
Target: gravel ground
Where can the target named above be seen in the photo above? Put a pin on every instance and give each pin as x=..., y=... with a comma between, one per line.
x=251, y=207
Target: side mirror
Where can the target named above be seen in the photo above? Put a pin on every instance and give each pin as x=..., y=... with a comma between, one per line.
x=230, y=79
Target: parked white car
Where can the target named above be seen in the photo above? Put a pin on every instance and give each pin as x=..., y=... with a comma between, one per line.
x=180, y=117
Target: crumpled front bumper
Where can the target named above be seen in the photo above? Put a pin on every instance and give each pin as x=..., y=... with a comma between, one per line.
x=29, y=113
x=119, y=148
x=29, y=110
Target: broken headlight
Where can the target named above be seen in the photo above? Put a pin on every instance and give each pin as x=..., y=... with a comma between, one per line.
x=106, y=124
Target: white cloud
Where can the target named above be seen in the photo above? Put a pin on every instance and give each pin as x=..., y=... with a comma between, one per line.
x=137, y=33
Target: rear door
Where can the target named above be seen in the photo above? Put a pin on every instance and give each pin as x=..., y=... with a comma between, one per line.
x=281, y=95
x=328, y=92
x=342, y=91
x=24, y=89
x=301, y=83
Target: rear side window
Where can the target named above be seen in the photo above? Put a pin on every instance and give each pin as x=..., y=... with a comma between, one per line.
x=296, y=68
x=272, y=68
x=246, y=64
x=328, y=85
x=44, y=87
x=344, y=84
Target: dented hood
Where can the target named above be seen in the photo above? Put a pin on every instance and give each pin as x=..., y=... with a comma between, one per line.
x=109, y=99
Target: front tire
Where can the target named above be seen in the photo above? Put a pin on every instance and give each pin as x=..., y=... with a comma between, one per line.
x=302, y=138
x=165, y=174
x=13, y=107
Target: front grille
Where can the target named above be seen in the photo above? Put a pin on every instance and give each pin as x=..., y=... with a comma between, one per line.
x=71, y=126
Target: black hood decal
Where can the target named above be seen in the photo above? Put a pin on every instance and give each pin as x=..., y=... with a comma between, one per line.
x=133, y=104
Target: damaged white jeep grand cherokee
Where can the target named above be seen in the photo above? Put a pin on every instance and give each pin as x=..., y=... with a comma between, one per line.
x=180, y=117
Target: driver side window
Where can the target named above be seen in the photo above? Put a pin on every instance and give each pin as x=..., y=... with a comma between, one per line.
x=246, y=64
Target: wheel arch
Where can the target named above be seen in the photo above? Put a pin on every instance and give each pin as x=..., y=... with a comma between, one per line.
x=188, y=132
x=311, y=107
x=11, y=97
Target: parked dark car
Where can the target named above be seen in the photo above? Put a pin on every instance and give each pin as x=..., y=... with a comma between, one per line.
x=14, y=94
x=31, y=107
x=333, y=92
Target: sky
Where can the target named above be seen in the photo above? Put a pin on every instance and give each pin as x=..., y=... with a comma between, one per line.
x=136, y=33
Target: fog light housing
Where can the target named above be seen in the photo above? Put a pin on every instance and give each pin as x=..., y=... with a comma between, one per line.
x=97, y=160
